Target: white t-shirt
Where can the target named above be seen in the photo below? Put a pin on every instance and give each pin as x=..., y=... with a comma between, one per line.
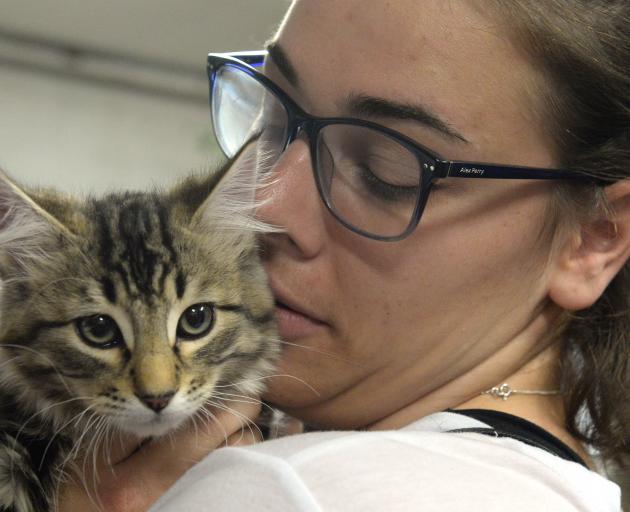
x=417, y=468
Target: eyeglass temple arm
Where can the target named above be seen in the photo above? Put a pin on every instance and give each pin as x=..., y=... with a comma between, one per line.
x=454, y=169
x=253, y=58
x=447, y=168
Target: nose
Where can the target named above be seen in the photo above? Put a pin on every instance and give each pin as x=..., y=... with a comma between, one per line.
x=156, y=402
x=293, y=203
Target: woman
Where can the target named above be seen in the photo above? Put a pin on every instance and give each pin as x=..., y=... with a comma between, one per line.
x=523, y=282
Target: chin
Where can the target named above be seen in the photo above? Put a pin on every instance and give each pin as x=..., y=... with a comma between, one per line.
x=155, y=427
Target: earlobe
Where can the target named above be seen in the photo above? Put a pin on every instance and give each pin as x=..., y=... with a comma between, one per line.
x=590, y=259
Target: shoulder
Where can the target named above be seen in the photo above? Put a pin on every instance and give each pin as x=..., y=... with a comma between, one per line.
x=401, y=470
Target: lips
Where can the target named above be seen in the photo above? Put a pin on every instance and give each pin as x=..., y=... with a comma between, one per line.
x=294, y=319
x=291, y=305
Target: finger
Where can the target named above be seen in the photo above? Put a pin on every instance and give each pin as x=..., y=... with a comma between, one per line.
x=118, y=449
x=245, y=437
x=294, y=426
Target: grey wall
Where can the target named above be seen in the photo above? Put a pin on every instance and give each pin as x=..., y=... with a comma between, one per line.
x=97, y=95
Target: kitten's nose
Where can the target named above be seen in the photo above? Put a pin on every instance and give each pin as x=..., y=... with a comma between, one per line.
x=156, y=402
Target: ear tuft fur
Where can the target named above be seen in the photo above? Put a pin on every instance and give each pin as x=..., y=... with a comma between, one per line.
x=232, y=203
x=26, y=231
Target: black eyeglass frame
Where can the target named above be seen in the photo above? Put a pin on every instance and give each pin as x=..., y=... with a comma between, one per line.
x=432, y=165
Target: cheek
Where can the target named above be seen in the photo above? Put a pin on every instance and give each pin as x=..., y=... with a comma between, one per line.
x=462, y=267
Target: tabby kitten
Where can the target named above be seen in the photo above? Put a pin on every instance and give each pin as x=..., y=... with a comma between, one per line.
x=126, y=313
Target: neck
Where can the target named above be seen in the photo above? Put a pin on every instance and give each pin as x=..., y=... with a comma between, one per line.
x=527, y=362
x=538, y=371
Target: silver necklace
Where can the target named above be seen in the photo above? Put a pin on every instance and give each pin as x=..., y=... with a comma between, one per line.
x=504, y=391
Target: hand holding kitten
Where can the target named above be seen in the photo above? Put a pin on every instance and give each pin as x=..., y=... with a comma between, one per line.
x=138, y=479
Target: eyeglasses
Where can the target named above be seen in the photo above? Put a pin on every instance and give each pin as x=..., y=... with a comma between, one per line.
x=373, y=180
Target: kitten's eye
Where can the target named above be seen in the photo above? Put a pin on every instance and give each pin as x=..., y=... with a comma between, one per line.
x=196, y=322
x=99, y=331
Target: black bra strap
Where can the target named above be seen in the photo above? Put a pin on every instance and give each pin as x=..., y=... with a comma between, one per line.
x=506, y=425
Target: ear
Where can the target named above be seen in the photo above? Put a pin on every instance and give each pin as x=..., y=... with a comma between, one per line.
x=26, y=229
x=590, y=260
x=229, y=209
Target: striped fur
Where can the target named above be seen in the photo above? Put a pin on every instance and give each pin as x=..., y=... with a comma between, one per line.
x=141, y=259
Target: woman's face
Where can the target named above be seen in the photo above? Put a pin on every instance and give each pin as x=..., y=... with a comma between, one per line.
x=449, y=311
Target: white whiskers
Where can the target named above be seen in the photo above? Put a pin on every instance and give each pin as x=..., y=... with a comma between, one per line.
x=246, y=381
x=38, y=353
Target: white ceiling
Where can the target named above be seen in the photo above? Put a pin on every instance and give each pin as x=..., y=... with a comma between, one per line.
x=84, y=105
x=177, y=31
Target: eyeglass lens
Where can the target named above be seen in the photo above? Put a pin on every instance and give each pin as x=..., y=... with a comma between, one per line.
x=243, y=110
x=369, y=180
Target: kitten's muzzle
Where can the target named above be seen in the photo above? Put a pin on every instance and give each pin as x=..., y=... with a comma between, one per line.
x=156, y=402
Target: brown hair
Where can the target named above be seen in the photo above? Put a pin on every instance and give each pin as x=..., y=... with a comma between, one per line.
x=582, y=49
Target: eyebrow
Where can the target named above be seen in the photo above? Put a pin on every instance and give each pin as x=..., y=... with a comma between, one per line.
x=370, y=106
x=282, y=62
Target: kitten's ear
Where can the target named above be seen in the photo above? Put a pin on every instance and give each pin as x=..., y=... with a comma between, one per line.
x=26, y=228
x=229, y=209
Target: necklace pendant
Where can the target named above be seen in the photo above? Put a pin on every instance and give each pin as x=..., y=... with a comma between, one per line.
x=504, y=391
